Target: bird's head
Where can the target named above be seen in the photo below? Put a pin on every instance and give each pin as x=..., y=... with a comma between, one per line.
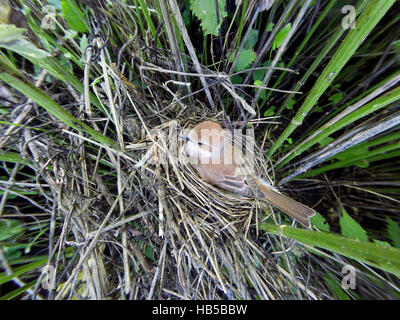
x=206, y=140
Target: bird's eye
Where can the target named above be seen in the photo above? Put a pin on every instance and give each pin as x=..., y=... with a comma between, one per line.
x=199, y=143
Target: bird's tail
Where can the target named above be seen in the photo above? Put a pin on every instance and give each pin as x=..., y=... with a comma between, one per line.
x=296, y=210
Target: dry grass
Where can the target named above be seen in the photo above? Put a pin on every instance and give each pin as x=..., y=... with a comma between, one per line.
x=140, y=221
x=133, y=220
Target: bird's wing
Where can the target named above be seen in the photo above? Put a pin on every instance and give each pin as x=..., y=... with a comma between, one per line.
x=234, y=180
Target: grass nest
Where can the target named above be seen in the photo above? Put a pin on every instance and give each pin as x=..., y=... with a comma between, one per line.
x=212, y=252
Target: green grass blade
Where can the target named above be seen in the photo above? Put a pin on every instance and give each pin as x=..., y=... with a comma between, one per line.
x=301, y=47
x=8, y=66
x=384, y=258
x=74, y=16
x=374, y=105
x=12, y=157
x=22, y=269
x=146, y=13
x=317, y=61
x=241, y=25
x=377, y=155
x=57, y=70
x=17, y=292
x=52, y=107
x=368, y=19
x=40, y=58
x=142, y=29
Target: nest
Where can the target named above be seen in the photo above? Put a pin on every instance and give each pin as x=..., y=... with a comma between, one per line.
x=206, y=228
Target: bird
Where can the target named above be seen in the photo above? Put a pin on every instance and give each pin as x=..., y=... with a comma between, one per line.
x=218, y=161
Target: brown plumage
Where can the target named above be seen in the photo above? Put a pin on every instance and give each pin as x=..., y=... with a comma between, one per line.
x=216, y=160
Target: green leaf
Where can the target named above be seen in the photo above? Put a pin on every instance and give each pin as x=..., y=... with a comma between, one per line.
x=387, y=259
x=319, y=221
x=206, y=12
x=269, y=112
x=270, y=27
x=236, y=79
x=83, y=44
x=280, y=37
x=52, y=65
x=251, y=39
x=70, y=34
x=336, y=98
x=350, y=228
x=186, y=17
x=73, y=16
x=9, y=33
x=318, y=109
x=291, y=104
x=245, y=59
x=145, y=11
x=149, y=252
x=393, y=230
x=12, y=38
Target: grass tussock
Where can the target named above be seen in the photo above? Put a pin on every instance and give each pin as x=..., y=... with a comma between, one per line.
x=98, y=200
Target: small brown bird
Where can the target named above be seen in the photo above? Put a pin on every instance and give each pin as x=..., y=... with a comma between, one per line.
x=212, y=154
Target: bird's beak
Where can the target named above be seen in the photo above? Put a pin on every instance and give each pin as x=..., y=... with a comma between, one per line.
x=185, y=138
